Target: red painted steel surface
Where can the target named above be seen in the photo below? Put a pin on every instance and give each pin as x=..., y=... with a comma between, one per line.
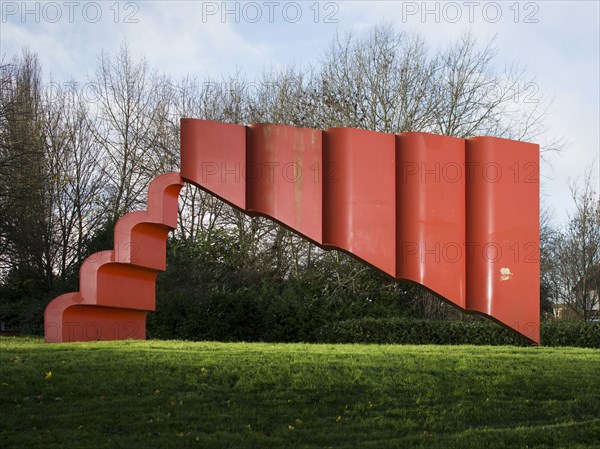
x=459, y=216
x=282, y=176
x=215, y=158
x=503, y=232
x=430, y=186
x=360, y=195
x=117, y=287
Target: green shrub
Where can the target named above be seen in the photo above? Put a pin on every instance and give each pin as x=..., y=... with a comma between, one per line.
x=411, y=331
x=571, y=333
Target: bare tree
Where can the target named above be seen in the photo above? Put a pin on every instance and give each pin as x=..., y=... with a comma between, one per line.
x=381, y=80
x=577, y=250
x=25, y=226
x=549, y=234
x=129, y=103
x=75, y=170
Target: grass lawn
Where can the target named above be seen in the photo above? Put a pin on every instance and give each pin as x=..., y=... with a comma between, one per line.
x=163, y=394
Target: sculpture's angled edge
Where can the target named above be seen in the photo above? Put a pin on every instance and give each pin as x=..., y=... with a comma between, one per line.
x=459, y=216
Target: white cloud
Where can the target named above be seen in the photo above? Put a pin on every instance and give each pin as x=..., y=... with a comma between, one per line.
x=177, y=41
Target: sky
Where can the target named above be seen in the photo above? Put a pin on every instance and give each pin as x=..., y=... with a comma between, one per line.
x=558, y=42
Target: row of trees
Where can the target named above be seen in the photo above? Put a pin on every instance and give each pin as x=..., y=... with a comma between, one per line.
x=76, y=156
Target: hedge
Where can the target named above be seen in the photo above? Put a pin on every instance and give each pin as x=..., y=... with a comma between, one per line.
x=411, y=331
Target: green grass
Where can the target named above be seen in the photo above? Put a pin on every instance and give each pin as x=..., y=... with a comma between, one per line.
x=163, y=394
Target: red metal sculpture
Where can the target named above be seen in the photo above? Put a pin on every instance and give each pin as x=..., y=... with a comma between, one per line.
x=458, y=216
